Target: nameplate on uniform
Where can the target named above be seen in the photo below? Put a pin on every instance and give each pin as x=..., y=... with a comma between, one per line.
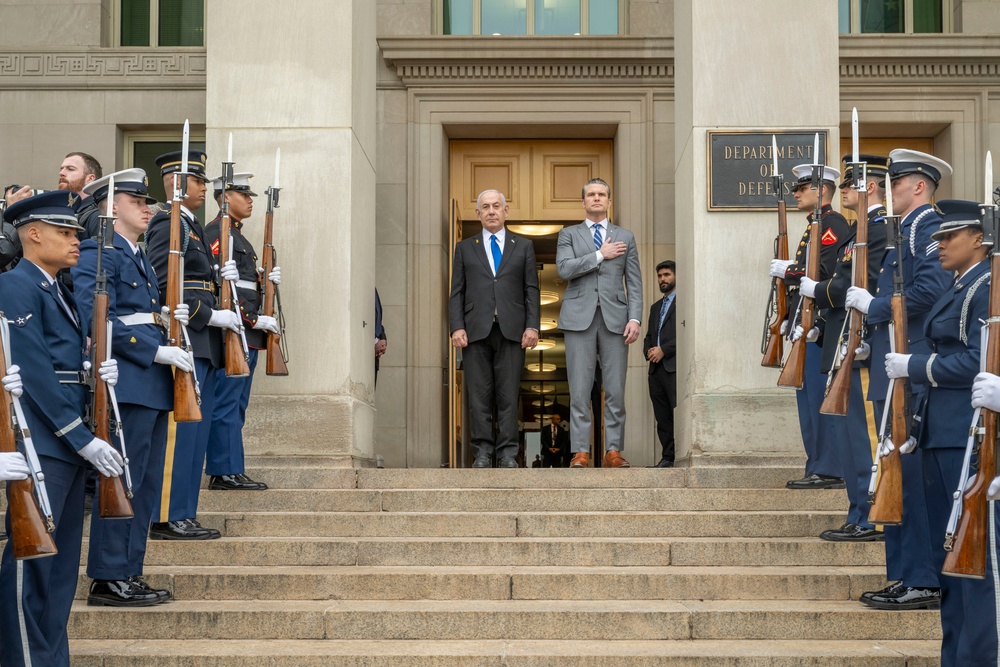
x=740, y=164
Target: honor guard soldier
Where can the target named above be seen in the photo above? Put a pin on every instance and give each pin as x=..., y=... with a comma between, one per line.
x=224, y=462
x=185, y=455
x=47, y=342
x=946, y=369
x=823, y=470
x=852, y=435
x=914, y=178
x=145, y=384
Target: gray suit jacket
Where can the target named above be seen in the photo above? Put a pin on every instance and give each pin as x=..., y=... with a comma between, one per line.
x=476, y=294
x=615, y=283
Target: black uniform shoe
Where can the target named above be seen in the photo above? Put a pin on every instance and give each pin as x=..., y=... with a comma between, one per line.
x=234, y=483
x=907, y=598
x=852, y=532
x=664, y=463
x=3, y=536
x=507, y=462
x=185, y=529
x=482, y=462
x=815, y=481
x=120, y=594
x=890, y=590
x=161, y=593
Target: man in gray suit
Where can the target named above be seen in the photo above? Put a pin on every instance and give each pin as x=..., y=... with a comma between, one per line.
x=494, y=313
x=600, y=316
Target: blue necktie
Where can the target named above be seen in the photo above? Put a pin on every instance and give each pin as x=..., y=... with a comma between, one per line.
x=597, y=237
x=663, y=315
x=497, y=255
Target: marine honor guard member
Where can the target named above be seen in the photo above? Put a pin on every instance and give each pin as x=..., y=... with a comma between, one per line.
x=914, y=178
x=185, y=455
x=852, y=436
x=145, y=386
x=823, y=470
x=224, y=463
x=47, y=342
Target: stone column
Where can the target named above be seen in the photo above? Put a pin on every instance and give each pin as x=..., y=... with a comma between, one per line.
x=761, y=65
x=301, y=76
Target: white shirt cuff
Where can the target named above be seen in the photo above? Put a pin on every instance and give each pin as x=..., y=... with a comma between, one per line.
x=600, y=257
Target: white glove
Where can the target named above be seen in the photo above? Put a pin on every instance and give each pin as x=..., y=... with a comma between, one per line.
x=13, y=466
x=104, y=457
x=810, y=338
x=859, y=299
x=181, y=314
x=897, y=365
x=887, y=446
x=109, y=372
x=12, y=381
x=275, y=275
x=783, y=328
x=168, y=355
x=807, y=287
x=863, y=351
x=229, y=271
x=225, y=319
x=779, y=266
x=985, y=392
x=993, y=493
x=266, y=323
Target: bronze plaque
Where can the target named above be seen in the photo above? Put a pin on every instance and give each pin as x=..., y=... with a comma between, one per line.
x=740, y=166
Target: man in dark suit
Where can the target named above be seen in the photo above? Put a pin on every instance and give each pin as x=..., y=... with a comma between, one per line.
x=555, y=444
x=494, y=313
x=660, y=349
x=380, y=337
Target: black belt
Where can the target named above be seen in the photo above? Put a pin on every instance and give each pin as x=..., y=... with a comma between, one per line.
x=71, y=377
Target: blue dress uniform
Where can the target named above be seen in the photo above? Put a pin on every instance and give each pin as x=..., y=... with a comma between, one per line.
x=851, y=434
x=907, y=551
x=835, y=233
x=47, y=342
x=185, y=455
x=145, y=389
x=953, y=331
x=232, y=394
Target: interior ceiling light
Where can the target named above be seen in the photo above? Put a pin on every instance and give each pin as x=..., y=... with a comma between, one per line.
x=534, y=229
x=544, y=344
x=543, y=389
x=538, y=403
x=548, y=324
x=541, y=368
x=548, y=297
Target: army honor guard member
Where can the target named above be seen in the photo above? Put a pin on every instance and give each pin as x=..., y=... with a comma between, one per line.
x=224, y=461
x=47, y=343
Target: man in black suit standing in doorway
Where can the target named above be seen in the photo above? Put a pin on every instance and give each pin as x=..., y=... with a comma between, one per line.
x=494, y=312
x=660, y=348
x=555, y=444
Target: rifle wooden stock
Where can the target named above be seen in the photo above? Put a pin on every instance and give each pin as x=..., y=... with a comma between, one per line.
x=112, y=499
x=888, y=505
x=794, y=372
x=186, y=405
x=29, y=533
x=839, y=395
x=275, y=357
x=774, y=348
x=236, y=362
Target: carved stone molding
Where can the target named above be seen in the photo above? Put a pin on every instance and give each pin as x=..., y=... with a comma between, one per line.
x=94, y=68
x=905, y=60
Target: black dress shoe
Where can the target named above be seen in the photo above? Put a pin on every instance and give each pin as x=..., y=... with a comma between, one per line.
x=852, y=532
x=664, y=463
x=185, y=529
x=507, y=462
x=890, y=590
x=140, y=583
x=907, y=598
x=3, y=536
x=815, y=481
x=120, y=594
x=234, y=483
x=482, y=462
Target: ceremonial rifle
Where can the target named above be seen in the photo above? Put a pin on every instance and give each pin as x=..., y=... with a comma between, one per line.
x=277, y=354
x=26, y=498
x=777, y=304
x=187, y=395
x=237, y=354
x=967, y=544
x=112, y=494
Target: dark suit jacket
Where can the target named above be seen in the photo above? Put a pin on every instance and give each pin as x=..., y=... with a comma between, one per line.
x=562, y=442
x=668, y=336
x=512, y=294
x=379, y=328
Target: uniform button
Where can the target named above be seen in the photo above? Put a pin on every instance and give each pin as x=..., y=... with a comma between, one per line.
x=148, y=285
x=153, y=301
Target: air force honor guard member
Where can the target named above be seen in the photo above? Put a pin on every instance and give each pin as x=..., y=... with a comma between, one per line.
x=224, y=461
x=47, y=343
x=145, y=387
x=185, y=456
x=914, y=178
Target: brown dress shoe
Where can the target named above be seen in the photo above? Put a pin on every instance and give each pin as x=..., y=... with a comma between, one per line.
x=613, y=459
x=580, y=460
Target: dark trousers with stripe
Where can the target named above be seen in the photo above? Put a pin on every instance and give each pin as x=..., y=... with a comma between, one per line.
x=118, y=546
x=852, y=439
x=821, y=454
x=36, y=595
x=225, y=440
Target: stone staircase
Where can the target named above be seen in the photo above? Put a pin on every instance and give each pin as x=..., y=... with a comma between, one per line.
x=486, y=568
